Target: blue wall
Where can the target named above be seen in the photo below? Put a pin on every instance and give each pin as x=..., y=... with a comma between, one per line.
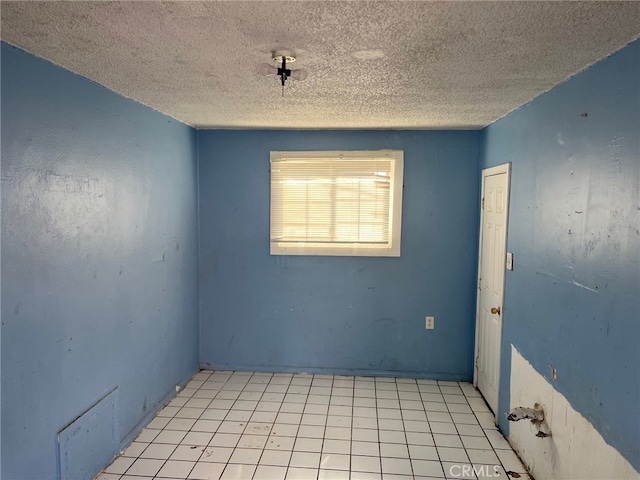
x=573, y=299
x=99, y=258
x=339, y=314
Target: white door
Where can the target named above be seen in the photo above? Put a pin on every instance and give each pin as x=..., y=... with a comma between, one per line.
x=491, y=269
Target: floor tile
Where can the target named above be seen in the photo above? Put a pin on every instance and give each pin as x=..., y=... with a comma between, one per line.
x=189, y=412
x=267, y=472
x=333, y=474
x=197, y=438
x=305, y=459
x=239, y=425
x=335, y=461
x=423, y=452
x=447, y=428
x=284, y=430
x=365, y=434
x=216, y=454
x=173, y=437
x=311, y=431
x=292, y=408
x=400, y=466
x=207, y=471
x=313, y=419
x=337, y=433
x=442, y=440
x=477, y=443
x=224, y=440
x=464, y=418
x=276, y=458
x=365, y=448
x=392, y=436
x=294, y=473
x=416, y=426
x=394, y=450
x=471, y=430
x=459, y=408
x=427, y=468
x=338, y=421
x=145, y=467
x=336, y=446
x=308, y=445
x=411, y=405
x=450, y=454
x=361, y=463
x=289, y=418
x=365, y=476
x=365, y=422
x=340, y=410
x=168, y=411
x=388, y=424
x=444, y=417
x=147, y=435
x=135, y=449
x=187, y=452
x=226, y=426
x=414, y=415
x=435, y=407
x=280, y=443
x=159, y=423
x=238, y=472
x=182, y=424
x=176, y=469
x=108, y=476
x=159, y=451
x=120, y=465
x=252, y=441
x=248, y=456
x=417, y=438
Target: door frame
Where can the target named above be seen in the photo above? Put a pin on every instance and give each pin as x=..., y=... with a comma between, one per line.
x=487, y=172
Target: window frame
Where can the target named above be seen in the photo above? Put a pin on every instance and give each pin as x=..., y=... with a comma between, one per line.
x=389, y=249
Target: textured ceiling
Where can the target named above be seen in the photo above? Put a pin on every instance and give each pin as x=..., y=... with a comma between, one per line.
x=443, y=65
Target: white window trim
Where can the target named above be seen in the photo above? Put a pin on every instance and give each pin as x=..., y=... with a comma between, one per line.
x=392, y=248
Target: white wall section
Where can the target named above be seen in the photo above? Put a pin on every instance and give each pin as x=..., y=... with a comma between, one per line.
x=575, y=450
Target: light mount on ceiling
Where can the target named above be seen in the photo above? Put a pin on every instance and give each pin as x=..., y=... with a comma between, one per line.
x=282, y=58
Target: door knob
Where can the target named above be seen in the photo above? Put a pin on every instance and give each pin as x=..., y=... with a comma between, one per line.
x=495, y=310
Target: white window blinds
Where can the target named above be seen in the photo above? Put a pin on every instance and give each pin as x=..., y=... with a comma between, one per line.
x=336, y=203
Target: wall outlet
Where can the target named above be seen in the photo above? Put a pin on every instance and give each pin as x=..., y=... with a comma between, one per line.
x=429, y=323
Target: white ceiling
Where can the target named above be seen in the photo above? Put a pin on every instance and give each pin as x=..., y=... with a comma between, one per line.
x=445, y=64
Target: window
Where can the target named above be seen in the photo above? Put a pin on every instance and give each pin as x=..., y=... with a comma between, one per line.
x=336, y=203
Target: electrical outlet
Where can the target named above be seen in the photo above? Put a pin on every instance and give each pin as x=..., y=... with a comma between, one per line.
x=429, y=323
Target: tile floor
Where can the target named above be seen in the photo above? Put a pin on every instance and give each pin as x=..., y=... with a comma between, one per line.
x=238, y=425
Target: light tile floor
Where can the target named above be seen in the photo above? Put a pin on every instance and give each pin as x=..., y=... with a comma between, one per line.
x=238, y=425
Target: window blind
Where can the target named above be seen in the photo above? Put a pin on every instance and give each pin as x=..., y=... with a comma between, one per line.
x=332, y=201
